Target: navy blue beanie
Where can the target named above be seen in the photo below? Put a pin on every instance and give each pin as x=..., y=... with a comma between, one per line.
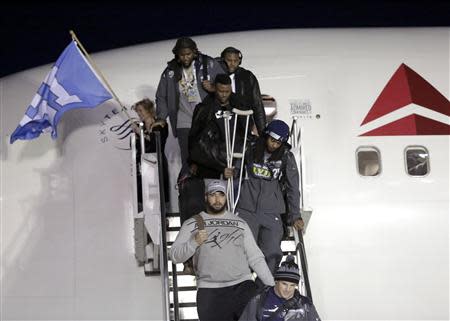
x=278, y=130
x=288, y=271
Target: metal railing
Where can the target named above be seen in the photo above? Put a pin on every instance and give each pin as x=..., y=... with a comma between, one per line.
x=296, y=142
x=163, y=241
x=176, y=303
x=163, y=256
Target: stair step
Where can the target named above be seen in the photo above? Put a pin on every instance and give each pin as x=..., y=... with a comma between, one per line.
x=185, y=288
x=184, y=281
x=180, y=273
x=188, y=313
x=185, y=305
x=174, y=221
x=179, y=266
x=171, y=236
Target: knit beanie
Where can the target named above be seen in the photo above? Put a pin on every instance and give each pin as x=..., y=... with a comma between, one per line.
x=278, y=130
x=288, y=271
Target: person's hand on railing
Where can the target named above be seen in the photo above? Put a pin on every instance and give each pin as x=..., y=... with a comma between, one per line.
x=254, y=131
x=228, y=172
x=201, y=236
x=208, y=86
x=135, y=127
x=160, y=123
x=148, y=124
x=193, y=169
x=299, y=224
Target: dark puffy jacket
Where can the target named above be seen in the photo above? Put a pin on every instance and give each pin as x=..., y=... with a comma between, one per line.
x=298, y=308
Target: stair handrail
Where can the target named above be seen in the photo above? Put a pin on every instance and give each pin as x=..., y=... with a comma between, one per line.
x=301, y=257
x=176, y=303
x=134, y=169
x=296, y=142
x=163, y=239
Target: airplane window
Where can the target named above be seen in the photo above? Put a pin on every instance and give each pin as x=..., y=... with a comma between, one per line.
x=417, y=160
x=368, y=161
x=270, y=106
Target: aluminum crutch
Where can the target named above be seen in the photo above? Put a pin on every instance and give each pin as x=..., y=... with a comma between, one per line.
x=230, y=191
x=247, y=114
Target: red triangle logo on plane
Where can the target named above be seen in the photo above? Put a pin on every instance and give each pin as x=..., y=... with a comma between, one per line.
x=411, y=125
x=406, y=87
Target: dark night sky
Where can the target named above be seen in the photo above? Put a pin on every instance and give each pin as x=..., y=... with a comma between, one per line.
x=36, y=34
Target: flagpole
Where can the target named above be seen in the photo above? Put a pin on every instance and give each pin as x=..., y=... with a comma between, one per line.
x=97, y=70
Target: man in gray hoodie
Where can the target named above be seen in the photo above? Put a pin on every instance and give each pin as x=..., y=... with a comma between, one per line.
x=223, y=253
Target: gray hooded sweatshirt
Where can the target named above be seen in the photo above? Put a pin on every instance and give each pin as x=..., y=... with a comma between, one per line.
x=226, y=257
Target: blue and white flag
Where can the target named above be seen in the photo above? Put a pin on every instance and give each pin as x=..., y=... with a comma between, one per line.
x=70, y=84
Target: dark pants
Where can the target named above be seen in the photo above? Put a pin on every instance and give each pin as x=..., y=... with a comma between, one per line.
x=224, y=304
x=183, y=142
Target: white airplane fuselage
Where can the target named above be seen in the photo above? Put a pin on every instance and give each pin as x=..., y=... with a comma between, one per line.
x=377, y=246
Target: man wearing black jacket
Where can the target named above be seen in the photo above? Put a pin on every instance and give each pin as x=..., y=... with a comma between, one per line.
x=207, y=151
x=245, y=85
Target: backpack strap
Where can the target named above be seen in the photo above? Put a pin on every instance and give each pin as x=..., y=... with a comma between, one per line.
x=205, y=67
x=200, y=221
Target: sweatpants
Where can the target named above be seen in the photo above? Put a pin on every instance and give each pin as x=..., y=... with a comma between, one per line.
x=224, y=304
x=267, y=228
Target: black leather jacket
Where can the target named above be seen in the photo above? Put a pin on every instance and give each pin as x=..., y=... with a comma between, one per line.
x=247, y=87
x=207, y=136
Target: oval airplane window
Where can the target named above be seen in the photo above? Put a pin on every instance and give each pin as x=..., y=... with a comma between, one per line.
x=368, y=161
x=417, y=160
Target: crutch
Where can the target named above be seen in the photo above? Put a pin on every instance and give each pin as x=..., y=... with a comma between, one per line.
x=230, y=192
x=232, y=202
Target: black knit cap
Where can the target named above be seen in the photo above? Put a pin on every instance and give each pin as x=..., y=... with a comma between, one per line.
x=288, y=271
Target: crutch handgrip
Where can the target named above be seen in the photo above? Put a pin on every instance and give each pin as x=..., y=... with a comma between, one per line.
x=242, y=112
x=238, y=155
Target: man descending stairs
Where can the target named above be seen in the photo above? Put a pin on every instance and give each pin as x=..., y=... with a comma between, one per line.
x=224, y=253
x=183, y=289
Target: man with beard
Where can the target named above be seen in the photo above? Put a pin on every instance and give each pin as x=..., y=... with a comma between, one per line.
x=270, y=189
x=184, y=83
x=223, y=253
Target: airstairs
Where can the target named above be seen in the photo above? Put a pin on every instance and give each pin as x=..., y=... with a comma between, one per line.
x=183, y=287
x=151, y=252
